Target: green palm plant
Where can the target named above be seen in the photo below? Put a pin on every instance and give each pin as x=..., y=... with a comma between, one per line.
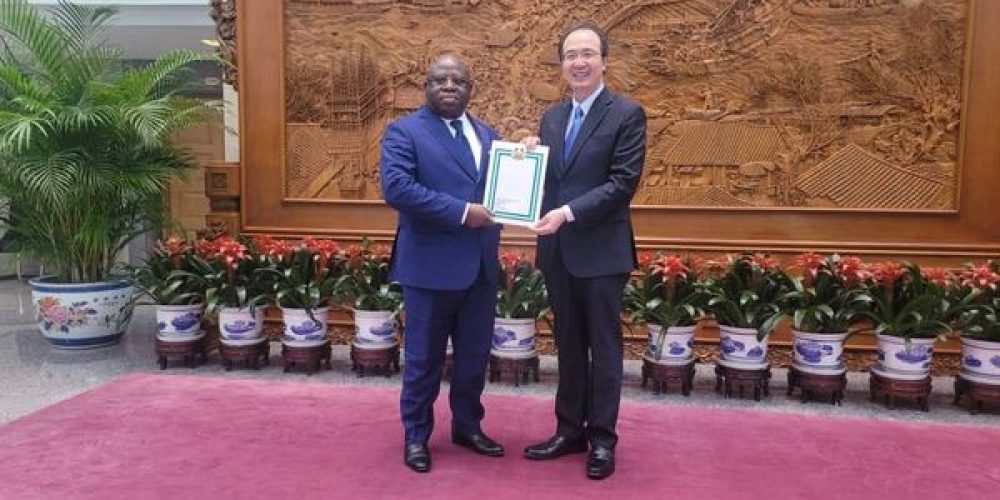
x=85, y=143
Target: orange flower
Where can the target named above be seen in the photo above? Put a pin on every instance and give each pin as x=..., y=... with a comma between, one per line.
x=271, y=247
x=174, y=245
x=938, y=275
x=981, y=276
x=887, y=272
x=325, y=248
x=853, y=270
x=230, y=250
x=205, y=248
x=645, y=258
x=671, y=267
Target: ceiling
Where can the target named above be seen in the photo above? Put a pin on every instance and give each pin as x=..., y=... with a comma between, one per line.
x=145, y=29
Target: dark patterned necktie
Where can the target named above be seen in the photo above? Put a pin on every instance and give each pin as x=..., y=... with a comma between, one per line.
x=463, y=142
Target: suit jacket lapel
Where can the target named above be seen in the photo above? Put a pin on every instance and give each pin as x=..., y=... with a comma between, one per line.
x=597, y=113
x=440, y=132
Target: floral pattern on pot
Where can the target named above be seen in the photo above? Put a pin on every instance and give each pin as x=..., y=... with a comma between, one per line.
x=307, y=327
x=812, y=351
x=972, y=361
x=995, y=361
x=179, y=320
x=730, y=346
x=915, y=354
x=54, y=316
x=185, y=321
x=239, y=328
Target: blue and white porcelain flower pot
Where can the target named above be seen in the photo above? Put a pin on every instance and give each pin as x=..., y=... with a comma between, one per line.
x=740, y=345
x=981, y=357
x=911, y=358
x=675, y=346
x=375, y=329
x=241, y=325
x=82, y=315
x=819, y=350
x=303, y=329
x=179, y=321
x=513, y=336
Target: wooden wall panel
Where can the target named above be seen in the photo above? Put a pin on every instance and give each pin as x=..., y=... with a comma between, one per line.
x=965, y=228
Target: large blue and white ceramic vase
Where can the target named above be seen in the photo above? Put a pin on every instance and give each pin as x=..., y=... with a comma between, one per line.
x=819, y=351
x=981, y=359
x=82, y=315
x=740, y=346
x=907, y=358
x=675, y=346
x=179, y=322
x=375, y=329
x=303, y=330
x=241, y=326
x=513, y=337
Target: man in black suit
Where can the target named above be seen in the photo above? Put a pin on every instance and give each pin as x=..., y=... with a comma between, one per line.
x=586, y=248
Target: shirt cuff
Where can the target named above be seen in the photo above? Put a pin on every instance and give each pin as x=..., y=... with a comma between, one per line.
x=568, y=213
x=465, y=213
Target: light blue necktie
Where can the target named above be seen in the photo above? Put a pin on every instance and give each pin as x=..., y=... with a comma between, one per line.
x=574, y=129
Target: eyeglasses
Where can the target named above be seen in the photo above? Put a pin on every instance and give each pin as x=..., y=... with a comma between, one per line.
x=440, y=81
x=586, y=55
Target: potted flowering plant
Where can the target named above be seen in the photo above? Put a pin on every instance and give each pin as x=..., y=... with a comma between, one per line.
x=666, y=295
x=975, y=291
x=304, y=276
x=909, y=312
x=522, y=300
x=177, y=293
x=743, y=297
x=375, y=300
x=826, y=299
x=238, y=286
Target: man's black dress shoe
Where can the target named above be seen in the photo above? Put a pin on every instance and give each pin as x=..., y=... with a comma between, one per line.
x=555, y=447
x=601, y=463
x=417, y=457
x=479, y=443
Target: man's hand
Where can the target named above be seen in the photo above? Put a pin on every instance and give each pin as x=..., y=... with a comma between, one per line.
x=530, y=142
x=550, y=223
x=478, y=216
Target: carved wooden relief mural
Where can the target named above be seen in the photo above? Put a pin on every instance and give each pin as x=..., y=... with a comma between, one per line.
x=840, y=104
x=223, y=12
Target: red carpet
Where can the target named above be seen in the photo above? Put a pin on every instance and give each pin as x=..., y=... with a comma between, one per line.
x=156, y=436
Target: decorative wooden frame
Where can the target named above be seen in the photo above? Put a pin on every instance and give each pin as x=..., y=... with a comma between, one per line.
x=970, y=231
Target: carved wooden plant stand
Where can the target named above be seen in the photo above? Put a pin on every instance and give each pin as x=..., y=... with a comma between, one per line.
x=245, y=356
x=190, y=352
x=663, y=375
x=978, y=393
x=383, y=361
x=890, y=389
x=519, y=368
x=813, y=385
x=308, y=358
x=755, y=381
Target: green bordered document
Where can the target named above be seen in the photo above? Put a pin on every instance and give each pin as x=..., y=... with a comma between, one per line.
x=515, y=182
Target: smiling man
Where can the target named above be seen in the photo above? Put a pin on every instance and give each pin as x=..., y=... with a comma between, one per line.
x=586, y=250
x=445, y=256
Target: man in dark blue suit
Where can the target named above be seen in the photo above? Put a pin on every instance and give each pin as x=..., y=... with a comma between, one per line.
x=445, y=256
x=586, y=248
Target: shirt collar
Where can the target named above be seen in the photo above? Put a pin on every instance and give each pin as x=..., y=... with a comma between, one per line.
x=589, y=101
x=464, y=118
